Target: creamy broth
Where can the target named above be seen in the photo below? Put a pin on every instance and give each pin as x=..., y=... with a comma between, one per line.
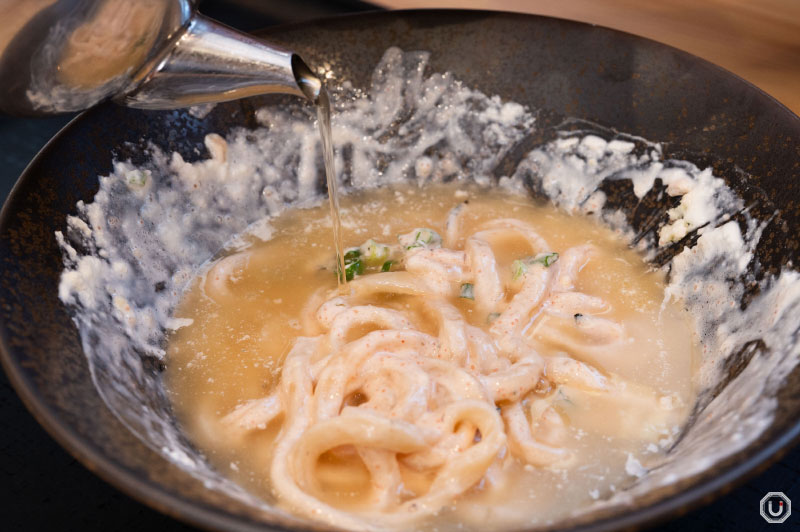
x=249, y=307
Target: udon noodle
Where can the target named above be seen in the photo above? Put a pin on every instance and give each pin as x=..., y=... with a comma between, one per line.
x=470, y=353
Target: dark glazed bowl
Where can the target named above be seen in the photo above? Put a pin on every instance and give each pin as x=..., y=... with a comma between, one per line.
x=564, y=69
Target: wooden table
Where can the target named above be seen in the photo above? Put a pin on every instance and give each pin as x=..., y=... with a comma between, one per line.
x=757, y=39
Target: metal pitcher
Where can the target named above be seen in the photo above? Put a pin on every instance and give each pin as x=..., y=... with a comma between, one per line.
x=67, y=55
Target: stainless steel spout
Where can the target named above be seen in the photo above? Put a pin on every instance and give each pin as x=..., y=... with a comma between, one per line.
x=212, y=63
x=67, y=55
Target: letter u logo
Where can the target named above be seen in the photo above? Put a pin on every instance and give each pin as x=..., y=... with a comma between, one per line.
x=771, y=511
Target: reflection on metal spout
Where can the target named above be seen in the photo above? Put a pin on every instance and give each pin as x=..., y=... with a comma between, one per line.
x=213, y=63
x=67, y=55
x=309, y=84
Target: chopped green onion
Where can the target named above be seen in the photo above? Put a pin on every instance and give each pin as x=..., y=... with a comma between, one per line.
x=421, y=238
x=520, y=267
x=467, y=291
x=137, y=178
x=492, y=316
x=374, y=253
x=387, y=266
x=546, y=258
x=353, y=265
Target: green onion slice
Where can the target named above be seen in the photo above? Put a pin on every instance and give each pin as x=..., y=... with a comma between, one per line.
x=520, y=267
x=467, y=291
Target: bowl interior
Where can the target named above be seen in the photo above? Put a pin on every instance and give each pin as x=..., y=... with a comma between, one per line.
x=562, y=69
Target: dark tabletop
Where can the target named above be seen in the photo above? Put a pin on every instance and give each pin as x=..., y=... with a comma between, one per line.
x=44, y=488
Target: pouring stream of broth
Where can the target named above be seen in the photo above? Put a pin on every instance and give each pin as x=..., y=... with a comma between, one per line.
x=324, y=121
x=312, y=87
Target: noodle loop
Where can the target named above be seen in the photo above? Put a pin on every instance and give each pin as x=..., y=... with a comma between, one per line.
x=422, y=389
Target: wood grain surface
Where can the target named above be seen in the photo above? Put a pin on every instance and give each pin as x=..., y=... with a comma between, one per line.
x=757, y=39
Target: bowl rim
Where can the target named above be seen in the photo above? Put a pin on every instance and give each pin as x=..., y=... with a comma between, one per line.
x=210, y=517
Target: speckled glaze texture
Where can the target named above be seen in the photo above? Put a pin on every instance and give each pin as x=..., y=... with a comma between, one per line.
x=563, y=69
